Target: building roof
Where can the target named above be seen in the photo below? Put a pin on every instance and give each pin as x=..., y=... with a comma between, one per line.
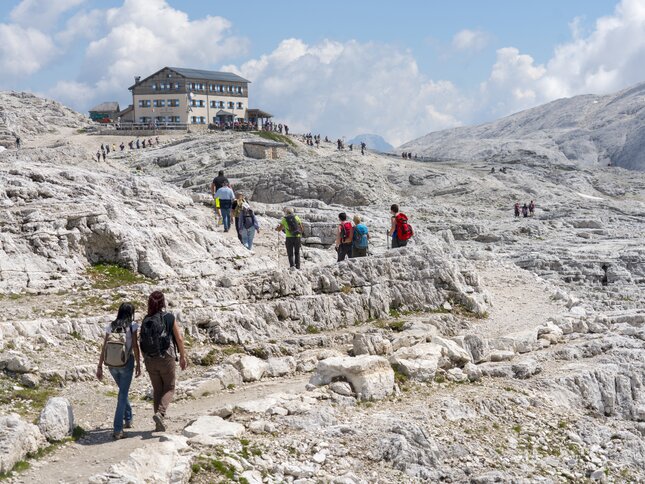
x=208, y=75
x=126, y=110
x=258, y=113
x=106, y=107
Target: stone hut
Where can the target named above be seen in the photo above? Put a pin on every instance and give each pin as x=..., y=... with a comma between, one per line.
x=261, y=149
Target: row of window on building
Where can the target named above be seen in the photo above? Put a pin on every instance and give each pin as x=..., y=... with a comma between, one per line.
x=158, y=120
x=197, y=86
x=196, y=103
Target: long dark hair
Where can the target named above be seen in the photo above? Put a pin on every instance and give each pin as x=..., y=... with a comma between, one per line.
x=124, y=316
x=156, y=302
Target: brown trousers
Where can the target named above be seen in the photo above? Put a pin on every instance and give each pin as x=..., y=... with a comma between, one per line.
x=162, y=376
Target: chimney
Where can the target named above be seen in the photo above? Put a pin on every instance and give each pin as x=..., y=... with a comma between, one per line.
x=137, y=79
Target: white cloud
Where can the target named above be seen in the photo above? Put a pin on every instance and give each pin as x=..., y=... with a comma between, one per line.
x=138, y=38
x=470, y=40
x=605, y=60
x=350, y=88
x=23, y=51
x=41, y=14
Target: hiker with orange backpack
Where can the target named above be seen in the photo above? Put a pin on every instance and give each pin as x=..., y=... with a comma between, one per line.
x=400, y=230
x=344, y=237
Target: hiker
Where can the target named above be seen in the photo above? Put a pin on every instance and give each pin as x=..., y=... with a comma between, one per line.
x=286, y=130
x=492, y=170
x=293, y=229
x=98, y=155
x=104, y=155
x=400, y=230
x=351, y=147
x=525, y=210
x=236, y=208
x=138, y=144
x=531, y=208
x=17, y=142
x=247, y=225
x=339, y=144
x=225, y=196
x=218, y=181
x=131, y=144
x=122, y=146
x=363, y=146
x=344, y=237
x=107, y=148
x=120, y=353
x=517, y=209
x=360, y=239
x=160, y=338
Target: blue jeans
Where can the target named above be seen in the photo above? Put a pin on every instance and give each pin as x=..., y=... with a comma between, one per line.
x=247, y=236
x=226, y=217
x=123, y=377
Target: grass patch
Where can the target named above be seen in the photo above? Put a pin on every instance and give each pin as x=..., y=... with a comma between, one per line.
x=517, y=428
x=562, y=424
x=111, y=393
x=111, y=276
x=214, y=466
x=346, y=289
x=36, y=398
x=277, y=137
x=209, y=359
x=311, y=329
x=76, y=335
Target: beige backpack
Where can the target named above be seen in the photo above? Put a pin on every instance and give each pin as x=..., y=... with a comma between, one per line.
x=115, y=355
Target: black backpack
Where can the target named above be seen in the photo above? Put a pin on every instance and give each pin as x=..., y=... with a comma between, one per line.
x=156, y=334
x=247, y=218
x=292, y=223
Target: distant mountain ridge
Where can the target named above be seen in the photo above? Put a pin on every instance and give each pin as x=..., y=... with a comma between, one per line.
x=586, y=129
x=373, y=142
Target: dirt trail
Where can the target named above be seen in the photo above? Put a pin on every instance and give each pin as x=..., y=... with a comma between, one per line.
x=96, y=452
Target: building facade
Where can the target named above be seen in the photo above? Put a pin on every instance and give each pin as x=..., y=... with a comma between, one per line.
x=175, y=95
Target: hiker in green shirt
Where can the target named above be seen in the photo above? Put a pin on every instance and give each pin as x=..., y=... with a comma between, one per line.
x=291, y=225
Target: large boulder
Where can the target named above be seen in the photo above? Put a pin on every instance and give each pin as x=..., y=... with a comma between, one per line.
x=282, y=366
x=208, y=429
x=455, y=353
x=419, y=370
x=16, y=362
x=476, y=346
x=250, y=367
x=17, y=439
x=371, y=377
x=371, y=344
x=56, y=420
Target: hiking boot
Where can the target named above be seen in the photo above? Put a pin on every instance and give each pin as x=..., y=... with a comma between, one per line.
x=118, y=435
x=160, y=426
x=127, y=424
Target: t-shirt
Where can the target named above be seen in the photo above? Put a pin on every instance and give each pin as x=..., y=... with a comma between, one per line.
x=287, y=232
x=132, y=328
x=225, y=193
x=219, y=181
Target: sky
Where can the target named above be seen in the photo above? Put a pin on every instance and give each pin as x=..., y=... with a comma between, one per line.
x=339, y=68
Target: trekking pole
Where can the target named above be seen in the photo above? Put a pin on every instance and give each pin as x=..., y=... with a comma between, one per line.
x=387, y=238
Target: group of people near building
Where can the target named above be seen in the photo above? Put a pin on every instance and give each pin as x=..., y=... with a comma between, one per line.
x=527, y=210
x=276, y=127
x=135, y=144
x=158, y=340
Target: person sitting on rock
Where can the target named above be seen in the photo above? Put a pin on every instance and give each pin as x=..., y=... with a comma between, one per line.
x=121, y=341
x=160, y=338
x=344, y=237
x=292, y=226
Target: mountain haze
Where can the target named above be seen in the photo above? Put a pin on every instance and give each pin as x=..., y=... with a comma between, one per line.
x=587, y=129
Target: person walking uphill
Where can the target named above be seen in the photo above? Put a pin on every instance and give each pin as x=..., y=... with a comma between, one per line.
x=344, y=237
x=400, y=230
x=225, y=196
x=360, y=240
x=291, y=225
x=120, y=353
x=160, y=339
x=247, y=224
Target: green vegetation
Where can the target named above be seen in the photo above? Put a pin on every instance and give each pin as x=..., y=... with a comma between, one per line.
x=76, y=335
x=346, y=289
x=517, y=428
x=311, y=329
x=209, y=358
x=562, y=424
x=110, y=276
x=111, y=393
x=271, y=136
x=27, y=401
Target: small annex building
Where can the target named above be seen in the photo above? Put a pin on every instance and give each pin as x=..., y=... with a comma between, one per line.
x=264, y=150
x=106, y=112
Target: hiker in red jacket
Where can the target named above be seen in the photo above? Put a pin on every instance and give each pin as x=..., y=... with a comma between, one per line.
x=344, y=237
x=400, y=230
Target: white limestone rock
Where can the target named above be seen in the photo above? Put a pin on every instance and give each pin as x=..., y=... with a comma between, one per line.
x=250, y=367
x=281, y=366
x=371, y=376
x=371, y=344
x=209, y=428
x=17, y=439
x=455, y=353
x=56, y=420
x=16, y=362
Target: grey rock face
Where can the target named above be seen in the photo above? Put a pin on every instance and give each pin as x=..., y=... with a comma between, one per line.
x=17, y=439
x=590, y=130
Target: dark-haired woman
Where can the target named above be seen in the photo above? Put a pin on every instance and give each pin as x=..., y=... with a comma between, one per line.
x=124, y=323
x=161, y=363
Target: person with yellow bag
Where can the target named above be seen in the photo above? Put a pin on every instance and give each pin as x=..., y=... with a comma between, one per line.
x=217, y=183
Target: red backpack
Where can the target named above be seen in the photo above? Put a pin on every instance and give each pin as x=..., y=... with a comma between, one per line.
x=345, y=230
x=403, y=228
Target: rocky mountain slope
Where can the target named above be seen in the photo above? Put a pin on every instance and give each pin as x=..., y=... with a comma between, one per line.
x=491, y=349
x=584, y=130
